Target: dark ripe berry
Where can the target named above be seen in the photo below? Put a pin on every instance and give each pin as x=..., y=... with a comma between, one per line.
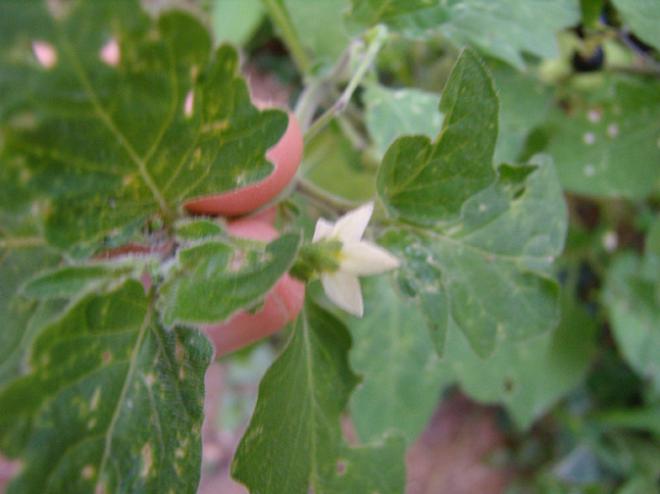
x=582, y=63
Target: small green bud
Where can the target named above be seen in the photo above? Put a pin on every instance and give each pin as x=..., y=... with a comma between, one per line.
x=316, y=258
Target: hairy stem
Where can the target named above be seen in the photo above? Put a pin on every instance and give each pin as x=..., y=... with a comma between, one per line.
x=377, y=36
x=324, y=199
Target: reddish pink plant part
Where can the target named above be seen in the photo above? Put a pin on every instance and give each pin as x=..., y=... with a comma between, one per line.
x=285, y=156
x=281, y=305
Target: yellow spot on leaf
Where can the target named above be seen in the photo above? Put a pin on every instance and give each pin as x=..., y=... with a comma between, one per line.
x=147, y=460
x=87, y=472
x=94, y=402
x=215, y=127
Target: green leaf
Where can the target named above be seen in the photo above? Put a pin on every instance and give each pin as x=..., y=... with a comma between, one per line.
x=294, y=442
x=401, y=373
x=488, y=276
x=235, y=21
x=392, y=113
x=192, y=229
x=510, y=27
x=68, y=281
x=16, y=84
x=608, y=144
x=503, y=29
x=23, y=252
x=641, y=17
x=213, y=279
x=642, y=419
x=320, y=27
x=115, y=145
x=487, y=271
x=527, y=377
x=411, y=17
x=524, y=105
x=426, y=182
x=113, y=402
x=333, y=163
x=591, y=11
x=639, y=484
x=634, y=308
x=651, y=260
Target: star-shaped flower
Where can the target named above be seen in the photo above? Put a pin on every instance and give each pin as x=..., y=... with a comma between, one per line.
x=356, y=258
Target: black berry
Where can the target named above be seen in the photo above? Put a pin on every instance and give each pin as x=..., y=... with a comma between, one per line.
x=588, y=63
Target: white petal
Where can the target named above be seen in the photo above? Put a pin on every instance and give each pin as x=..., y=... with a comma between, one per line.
x=344, y=290
x=364, y=258
x=352, y=225
x=322, y=230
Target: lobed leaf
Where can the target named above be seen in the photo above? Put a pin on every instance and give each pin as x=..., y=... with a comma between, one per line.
x=503, y=29
x=392, y=113
x=488, y=276
x=402, y=376
x=294, y=443
x=427, y=182
x=487, y=271
x=213, y=279
x=136, y=115
x=529, y=376
x=112, y=402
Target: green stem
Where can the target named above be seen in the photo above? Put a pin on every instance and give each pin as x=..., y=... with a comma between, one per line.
x=378, y=36
x=358, y=141
x=316, y=91
x=280, y=18
x=308, y=102
x=324, y=199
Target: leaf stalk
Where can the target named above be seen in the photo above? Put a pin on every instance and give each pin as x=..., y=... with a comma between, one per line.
x=377, y=37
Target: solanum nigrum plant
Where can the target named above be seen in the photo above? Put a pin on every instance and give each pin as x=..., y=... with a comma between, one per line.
x=422, y=216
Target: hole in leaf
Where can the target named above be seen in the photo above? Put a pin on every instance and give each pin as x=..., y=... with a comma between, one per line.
x=110, y=54
x=188, y=104
x=45, y=54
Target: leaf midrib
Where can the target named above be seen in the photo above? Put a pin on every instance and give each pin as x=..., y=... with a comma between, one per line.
x=107, y=450
x=488, y=255
x=110, y=125
x=310, y=379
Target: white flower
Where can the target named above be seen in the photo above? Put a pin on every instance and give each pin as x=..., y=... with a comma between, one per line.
x=356, y=258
